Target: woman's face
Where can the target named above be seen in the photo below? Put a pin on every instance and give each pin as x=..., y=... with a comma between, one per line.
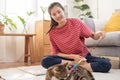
x=58, y=14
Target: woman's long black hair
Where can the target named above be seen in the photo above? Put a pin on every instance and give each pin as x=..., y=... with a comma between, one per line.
x=53, y=22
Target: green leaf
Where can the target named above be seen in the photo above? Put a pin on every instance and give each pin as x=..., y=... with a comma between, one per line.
x=77, y=7
x=78, y=0
x=43, y=9
x=14, y=25
x=89, y=14
x=30, y=13
x=22, y=20
x=10, y=28
x=8, y=21
x=84, y=7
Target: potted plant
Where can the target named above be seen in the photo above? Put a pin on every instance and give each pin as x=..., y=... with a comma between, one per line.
x=83, y=8
x=1, y=28
x=8, y=22
x=24, y=22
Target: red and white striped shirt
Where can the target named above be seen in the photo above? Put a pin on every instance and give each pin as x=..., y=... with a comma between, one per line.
x=69, y=39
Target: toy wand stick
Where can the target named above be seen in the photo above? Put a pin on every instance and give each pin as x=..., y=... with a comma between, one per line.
x=75, y=65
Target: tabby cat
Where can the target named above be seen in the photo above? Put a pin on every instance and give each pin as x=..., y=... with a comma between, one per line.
x=60, y=71
x=80, y=73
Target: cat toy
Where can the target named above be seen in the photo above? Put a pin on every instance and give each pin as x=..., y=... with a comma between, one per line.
x=75, y=65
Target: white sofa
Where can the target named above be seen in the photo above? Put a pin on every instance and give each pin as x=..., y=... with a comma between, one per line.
x=109, y=46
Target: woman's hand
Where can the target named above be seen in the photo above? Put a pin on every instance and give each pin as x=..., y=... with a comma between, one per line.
x=98, y=34
x=77, y=58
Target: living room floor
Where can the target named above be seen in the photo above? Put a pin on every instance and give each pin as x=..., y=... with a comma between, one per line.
x=21, y=71
x=27, y=71
x=16, y=64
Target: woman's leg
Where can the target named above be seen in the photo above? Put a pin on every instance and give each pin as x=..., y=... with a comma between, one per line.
x=98, y=64
x=48, y=61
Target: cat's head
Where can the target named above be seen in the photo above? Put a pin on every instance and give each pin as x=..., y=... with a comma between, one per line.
x=60, y=71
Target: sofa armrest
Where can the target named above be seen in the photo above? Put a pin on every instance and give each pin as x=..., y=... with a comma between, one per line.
x=111, y=39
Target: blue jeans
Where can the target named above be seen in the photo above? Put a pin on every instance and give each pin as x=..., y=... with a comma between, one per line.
x=97, y=64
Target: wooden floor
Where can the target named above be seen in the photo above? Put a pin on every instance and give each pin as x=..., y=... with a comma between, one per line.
x=16, y=64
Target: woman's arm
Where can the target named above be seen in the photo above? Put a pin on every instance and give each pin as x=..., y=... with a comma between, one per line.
x=70, y=56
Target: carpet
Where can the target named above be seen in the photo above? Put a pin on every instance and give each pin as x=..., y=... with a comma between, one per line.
x=38, y=73
x=14, y=74
x=113, y=74
x=34, y=70
x=24, y=73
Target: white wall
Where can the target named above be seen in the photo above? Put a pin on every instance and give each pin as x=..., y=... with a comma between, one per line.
x=101, y=9
x=107, y=7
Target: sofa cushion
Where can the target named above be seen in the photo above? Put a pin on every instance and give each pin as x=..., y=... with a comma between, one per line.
x=111, y=39
x=113, y=23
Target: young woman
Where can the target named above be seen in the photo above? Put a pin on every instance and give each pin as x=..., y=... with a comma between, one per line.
x=67, y=37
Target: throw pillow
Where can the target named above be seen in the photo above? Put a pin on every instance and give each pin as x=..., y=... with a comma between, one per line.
x=113, y=23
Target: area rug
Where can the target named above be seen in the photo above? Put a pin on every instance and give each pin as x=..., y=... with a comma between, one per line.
x=24, y=73
x=15, y=74
x=34, y=70
x=113, y=74
x=38, y=73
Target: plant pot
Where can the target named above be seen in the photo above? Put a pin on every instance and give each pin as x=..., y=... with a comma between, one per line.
x=1, y=28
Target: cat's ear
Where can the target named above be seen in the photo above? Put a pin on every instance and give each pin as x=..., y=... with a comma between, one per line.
x=65, y=64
